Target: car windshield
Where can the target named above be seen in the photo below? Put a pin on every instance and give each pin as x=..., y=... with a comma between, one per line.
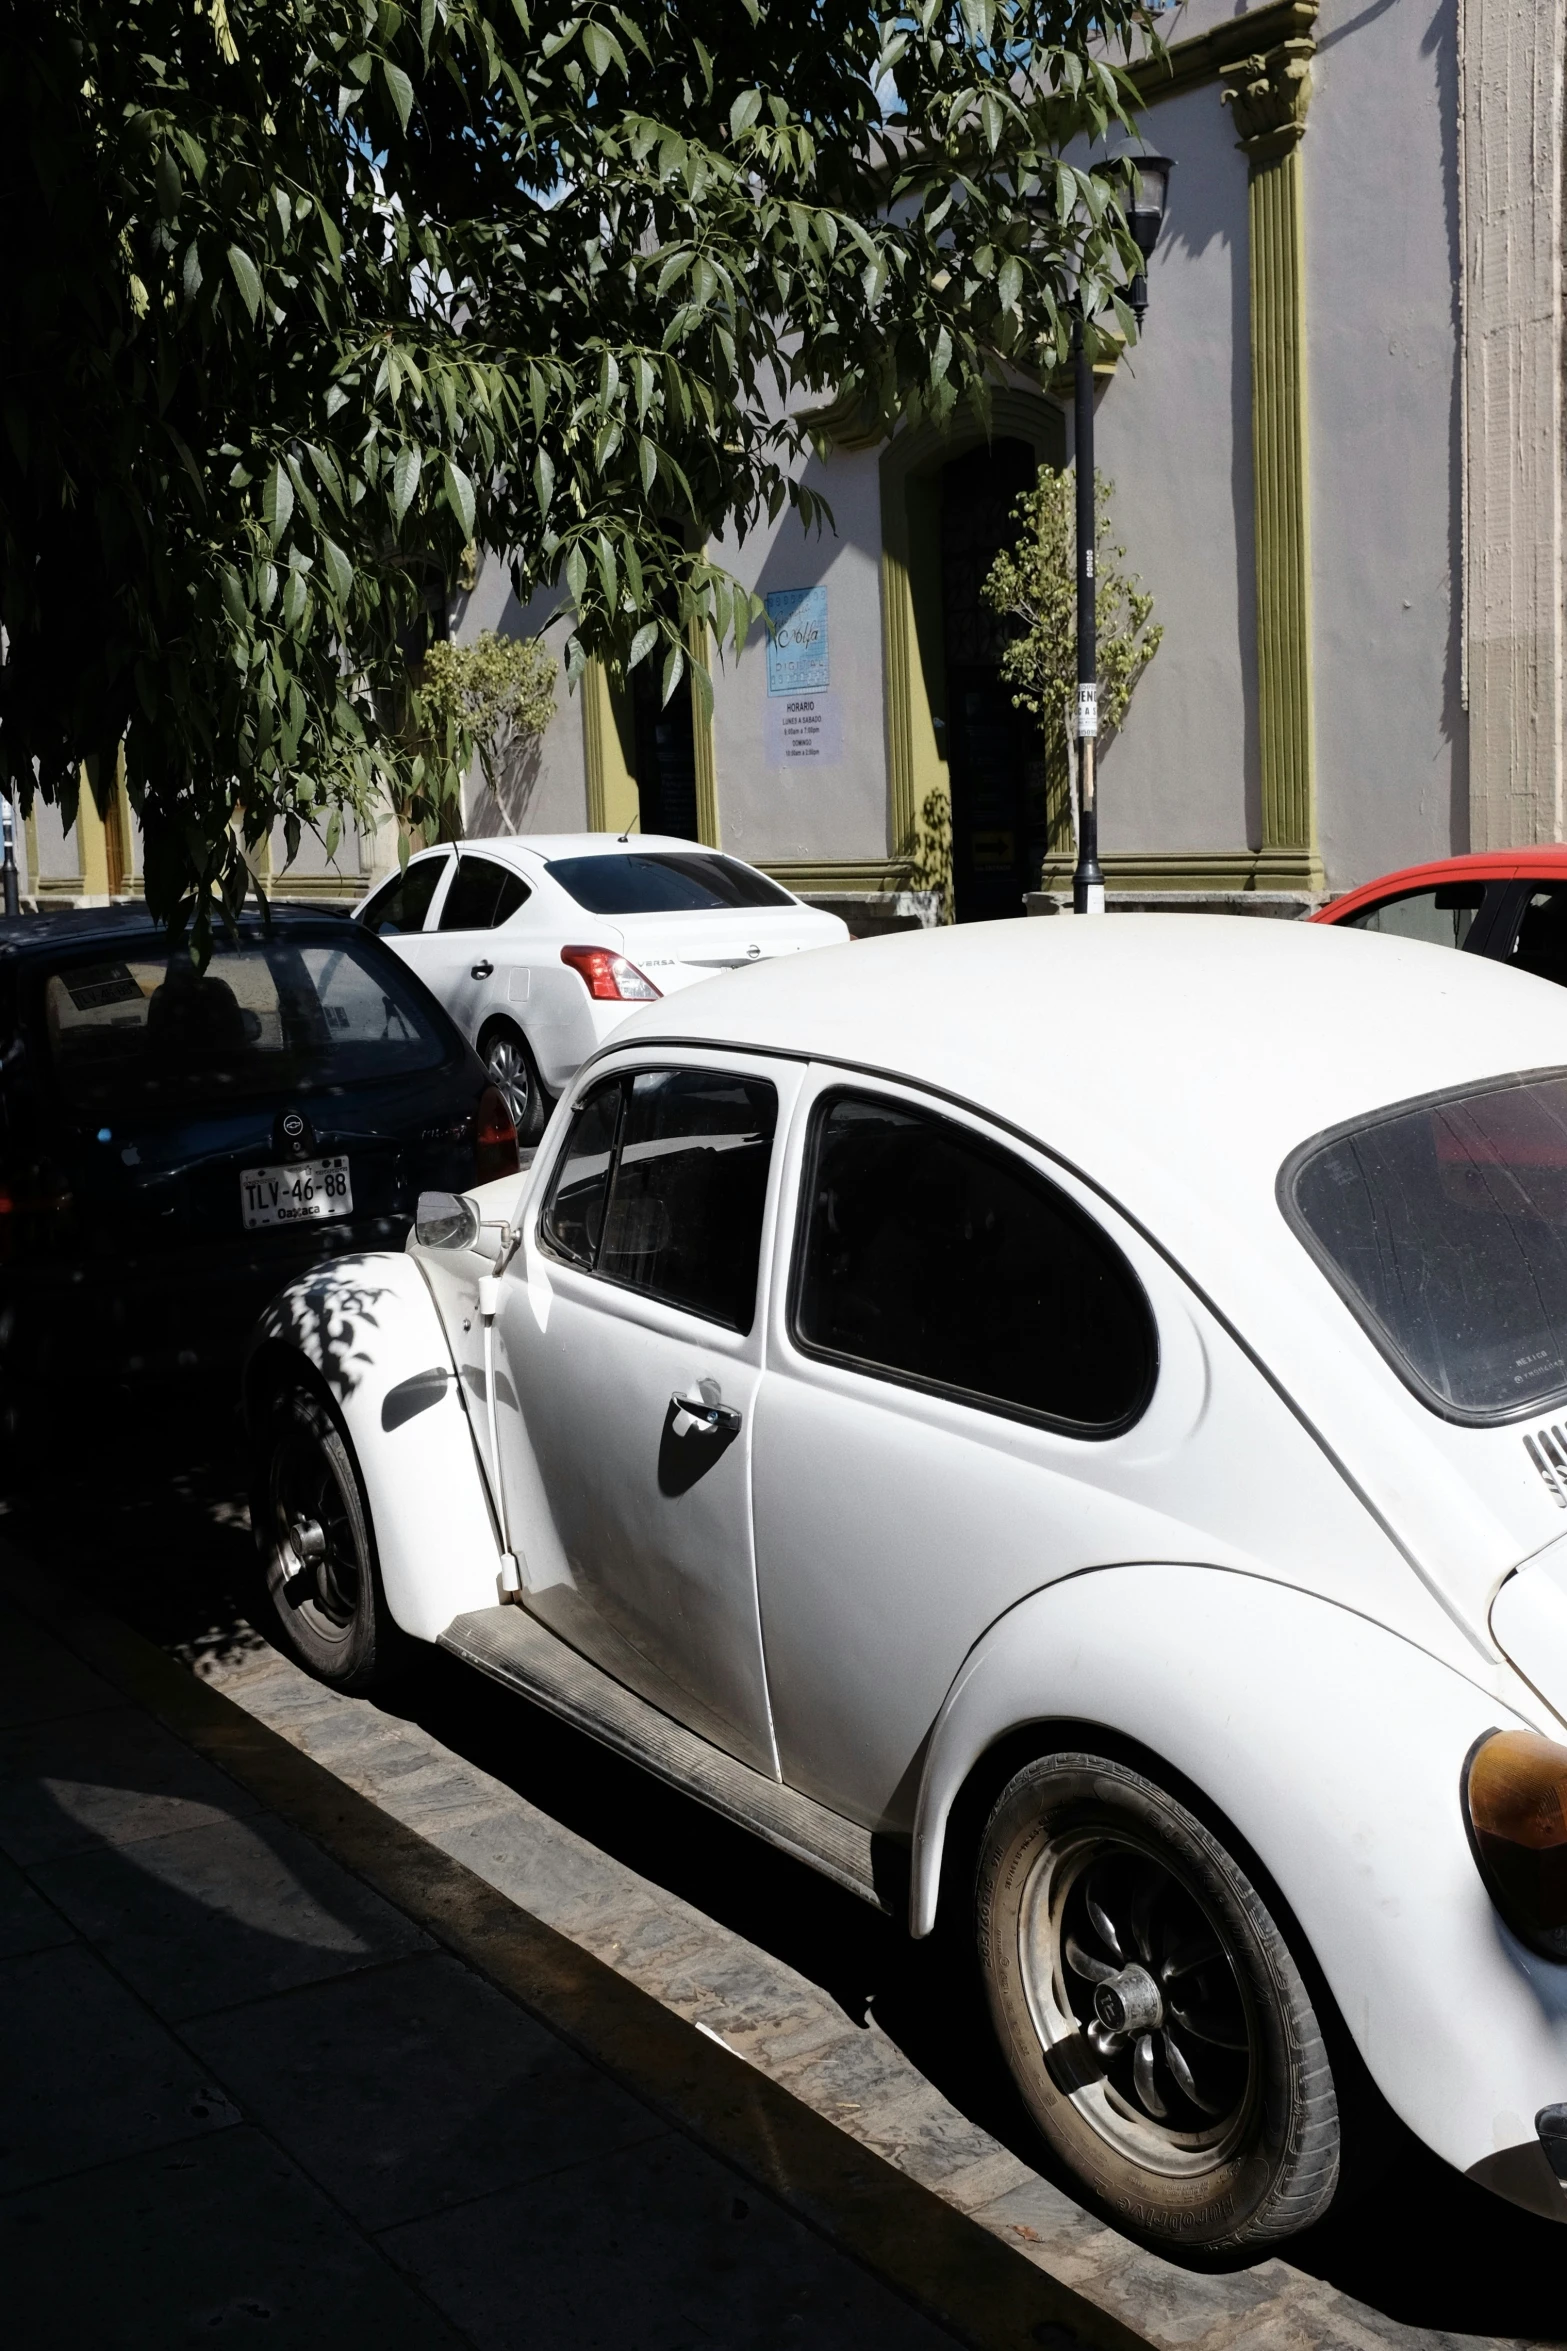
x=1444, y=1225
x=281, y=1016
x=663, y=881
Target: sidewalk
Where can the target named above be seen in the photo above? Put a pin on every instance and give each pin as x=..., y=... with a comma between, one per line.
x=244, y=2097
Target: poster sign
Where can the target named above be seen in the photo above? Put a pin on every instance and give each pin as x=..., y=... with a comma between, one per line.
x=803, y=730
x=797, y=647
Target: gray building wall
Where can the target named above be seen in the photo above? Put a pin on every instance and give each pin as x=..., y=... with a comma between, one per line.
x=1382, y=263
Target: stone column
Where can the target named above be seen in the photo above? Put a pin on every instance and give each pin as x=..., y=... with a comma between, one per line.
x=1269, y=92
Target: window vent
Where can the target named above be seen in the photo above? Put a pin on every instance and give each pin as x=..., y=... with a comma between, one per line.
x=1547, y=1449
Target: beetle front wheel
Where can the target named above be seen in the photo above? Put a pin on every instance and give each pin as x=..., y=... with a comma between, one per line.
x=1151, y=2012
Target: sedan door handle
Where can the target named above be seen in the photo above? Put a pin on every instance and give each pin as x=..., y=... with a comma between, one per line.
x=704, y=1417
x=481, y=971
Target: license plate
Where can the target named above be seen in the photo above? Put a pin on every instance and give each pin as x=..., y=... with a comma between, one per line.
x=295, y=1195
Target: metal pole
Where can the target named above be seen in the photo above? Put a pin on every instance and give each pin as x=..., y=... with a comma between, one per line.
x=1088, y=883
x=8, y=872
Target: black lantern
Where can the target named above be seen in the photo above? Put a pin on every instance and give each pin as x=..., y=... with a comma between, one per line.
x=1145, y=203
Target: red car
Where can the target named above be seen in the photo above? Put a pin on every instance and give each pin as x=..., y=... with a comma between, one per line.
x=1510, y=904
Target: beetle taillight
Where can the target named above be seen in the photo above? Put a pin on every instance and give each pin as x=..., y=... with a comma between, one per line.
x=495, y=1139
x=612, y=978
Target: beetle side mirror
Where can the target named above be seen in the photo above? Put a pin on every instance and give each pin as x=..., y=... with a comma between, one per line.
x=445, y=1220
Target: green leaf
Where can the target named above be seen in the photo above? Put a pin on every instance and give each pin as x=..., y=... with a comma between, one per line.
x=543, y=480
x=1010, y=282
x=576, y=573
x=339, y=571
x=405, y=480
x=744, y=112
x=674, y=671
x=277, y=501
x=642, y=643
x=399, y=89
x=459, y=497
x=248, y=279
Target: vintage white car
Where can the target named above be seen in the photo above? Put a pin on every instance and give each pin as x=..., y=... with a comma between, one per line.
x=1064, y=1427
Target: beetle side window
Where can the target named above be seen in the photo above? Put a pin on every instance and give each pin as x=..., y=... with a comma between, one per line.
x=483, y=896
x=662, y=1186
x=1541, y=944
x=931, y=1256
x=573, y=1218
x=1441, y=918
x=404, y=902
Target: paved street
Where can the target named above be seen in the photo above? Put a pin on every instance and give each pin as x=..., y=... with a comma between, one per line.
x=245, y=2096
x=268, y=1985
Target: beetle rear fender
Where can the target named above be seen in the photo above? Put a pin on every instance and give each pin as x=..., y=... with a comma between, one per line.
x=368, y=1328
x=1335, y=1749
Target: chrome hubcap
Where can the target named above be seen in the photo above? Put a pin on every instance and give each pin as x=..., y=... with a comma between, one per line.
x=1141, y=2014
x=318, y=1557
x=507, y=1065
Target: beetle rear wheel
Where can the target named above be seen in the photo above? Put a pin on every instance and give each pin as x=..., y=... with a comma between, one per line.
x=1150, y=2010
x=317, y=1551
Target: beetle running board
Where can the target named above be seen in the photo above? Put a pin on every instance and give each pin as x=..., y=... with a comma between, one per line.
x=514, y=1648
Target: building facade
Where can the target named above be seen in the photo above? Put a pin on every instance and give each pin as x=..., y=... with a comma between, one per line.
x=1338, y=456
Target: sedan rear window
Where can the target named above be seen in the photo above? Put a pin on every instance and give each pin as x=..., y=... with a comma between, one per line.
x=663, y=881
x=1443, y=1224
x=146, y=1027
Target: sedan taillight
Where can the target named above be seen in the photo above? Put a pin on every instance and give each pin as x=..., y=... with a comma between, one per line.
x=495, y=1139
x=612, y=978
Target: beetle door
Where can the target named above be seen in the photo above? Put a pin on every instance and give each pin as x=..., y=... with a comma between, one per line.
x=631, y=1333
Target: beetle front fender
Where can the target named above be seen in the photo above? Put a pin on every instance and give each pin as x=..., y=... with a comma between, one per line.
x=369, y=1329
x=1336, y=1750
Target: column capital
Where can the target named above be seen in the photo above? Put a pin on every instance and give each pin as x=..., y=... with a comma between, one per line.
x=1270, y=92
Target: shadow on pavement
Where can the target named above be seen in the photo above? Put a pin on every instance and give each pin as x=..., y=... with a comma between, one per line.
x=159, y=1533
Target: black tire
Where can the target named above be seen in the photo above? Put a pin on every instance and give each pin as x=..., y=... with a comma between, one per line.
x=1130, y=1966
x=321, y=1582
x=512, y=1071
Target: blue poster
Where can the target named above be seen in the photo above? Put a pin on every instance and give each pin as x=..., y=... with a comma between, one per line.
x=797, y=648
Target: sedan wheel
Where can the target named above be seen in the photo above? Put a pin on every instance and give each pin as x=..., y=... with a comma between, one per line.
x=317, y=1553
x=1151, y=2011
x=510, y=1068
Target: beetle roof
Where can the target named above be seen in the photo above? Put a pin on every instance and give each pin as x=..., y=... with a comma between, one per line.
x=1177, y=1060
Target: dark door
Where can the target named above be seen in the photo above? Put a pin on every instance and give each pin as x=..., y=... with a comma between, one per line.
x=665, y=753
x=994, y=753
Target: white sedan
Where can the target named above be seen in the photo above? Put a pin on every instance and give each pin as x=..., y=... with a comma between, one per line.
x=1064, y=1427
x=540, y=944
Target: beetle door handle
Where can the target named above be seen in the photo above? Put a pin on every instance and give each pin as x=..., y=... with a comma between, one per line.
x=703, y=1416
x=481, y=971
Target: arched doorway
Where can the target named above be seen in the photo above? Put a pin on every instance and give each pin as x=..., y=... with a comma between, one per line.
x=995, y=755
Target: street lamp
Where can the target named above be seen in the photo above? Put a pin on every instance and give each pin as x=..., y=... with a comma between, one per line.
x=9, y=879
x=1150, y=178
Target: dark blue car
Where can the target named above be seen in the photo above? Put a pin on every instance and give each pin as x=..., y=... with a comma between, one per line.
x=175, y=1145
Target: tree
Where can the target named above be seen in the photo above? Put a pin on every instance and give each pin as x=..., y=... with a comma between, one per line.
x=311, y=293
x=1035, y=585
x=497, y=693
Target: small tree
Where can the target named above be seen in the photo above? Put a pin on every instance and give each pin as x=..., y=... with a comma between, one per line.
x=1035, y=586
x=494, y=698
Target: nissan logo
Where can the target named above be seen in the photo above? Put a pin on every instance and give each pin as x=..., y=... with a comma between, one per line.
x=753, y=952
x=293, y=1126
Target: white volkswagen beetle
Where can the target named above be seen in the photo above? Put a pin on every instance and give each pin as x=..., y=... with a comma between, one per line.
x=1063, y=1424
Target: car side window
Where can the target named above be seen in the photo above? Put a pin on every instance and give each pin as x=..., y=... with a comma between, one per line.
x=483, y=895
x=1541, y=944
x=1441, y=917
x=403, y=903
x=662, y=1185
x=573, y=1219
x=931, y=1256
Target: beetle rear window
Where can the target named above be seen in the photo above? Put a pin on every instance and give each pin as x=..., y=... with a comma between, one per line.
x=1443, y=1224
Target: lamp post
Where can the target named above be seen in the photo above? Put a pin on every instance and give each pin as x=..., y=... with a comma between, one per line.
x=1145, y=211
x=9, y=879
